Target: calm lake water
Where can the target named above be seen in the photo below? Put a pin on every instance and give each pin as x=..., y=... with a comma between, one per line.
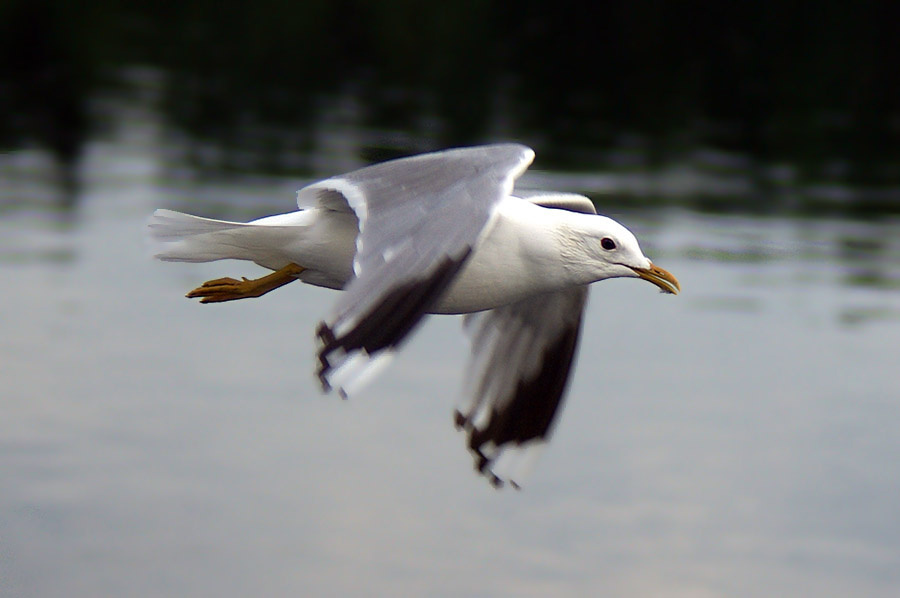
x=739, y=439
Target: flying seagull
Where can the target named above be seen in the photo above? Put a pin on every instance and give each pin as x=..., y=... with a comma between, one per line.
x=437, y=233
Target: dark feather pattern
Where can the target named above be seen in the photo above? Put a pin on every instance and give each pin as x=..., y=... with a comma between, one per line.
x=522, y=357
x=388, y=322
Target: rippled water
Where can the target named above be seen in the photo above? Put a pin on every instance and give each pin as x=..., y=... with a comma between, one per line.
x=737, y=440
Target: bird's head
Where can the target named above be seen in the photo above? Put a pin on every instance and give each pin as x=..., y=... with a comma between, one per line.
x=615, y=253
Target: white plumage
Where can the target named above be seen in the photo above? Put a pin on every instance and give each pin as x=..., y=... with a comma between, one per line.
x=436, y=233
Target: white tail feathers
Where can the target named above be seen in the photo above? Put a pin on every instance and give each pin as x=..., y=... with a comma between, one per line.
x=169, y=225
x=185, y=238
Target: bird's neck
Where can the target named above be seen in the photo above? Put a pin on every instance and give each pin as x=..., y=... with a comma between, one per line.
x=556, y=248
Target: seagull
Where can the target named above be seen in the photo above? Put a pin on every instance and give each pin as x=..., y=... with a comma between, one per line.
x=436, y=233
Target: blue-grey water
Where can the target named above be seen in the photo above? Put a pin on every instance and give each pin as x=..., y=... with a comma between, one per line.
x=739, y=439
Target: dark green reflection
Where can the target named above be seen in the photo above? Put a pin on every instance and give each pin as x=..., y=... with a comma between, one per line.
x=767, y=95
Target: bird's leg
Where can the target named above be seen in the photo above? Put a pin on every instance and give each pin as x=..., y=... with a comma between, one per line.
x=229, y=289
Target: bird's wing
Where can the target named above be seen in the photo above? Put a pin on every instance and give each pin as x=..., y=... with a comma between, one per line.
x=572, y=202
x=521, y=358
x=419, y=219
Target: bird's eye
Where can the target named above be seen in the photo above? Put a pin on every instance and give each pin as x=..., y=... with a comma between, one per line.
x=607, y=243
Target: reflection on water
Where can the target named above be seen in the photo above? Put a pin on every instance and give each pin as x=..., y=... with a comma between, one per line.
x=695, y=96
x=735, y=440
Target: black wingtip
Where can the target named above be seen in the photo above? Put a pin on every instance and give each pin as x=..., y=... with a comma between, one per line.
x=388, y=322
x=328, y=343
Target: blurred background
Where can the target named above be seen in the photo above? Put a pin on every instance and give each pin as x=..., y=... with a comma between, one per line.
x=770, y=103
x=736, y=440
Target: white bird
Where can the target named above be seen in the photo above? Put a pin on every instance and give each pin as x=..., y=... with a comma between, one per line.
x=438, y=233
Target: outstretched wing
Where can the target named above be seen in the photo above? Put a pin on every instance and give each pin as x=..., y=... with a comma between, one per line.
x=419, y=219
x=518, y=371
x=573, y=202
x=522, y=355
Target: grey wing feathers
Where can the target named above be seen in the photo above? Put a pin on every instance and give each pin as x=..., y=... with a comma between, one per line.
x=572, y=202
x=522, y=355
x=419, y=219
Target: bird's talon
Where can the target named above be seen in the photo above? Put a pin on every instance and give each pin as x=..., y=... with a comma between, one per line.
x=229, y=289
x=219, y=282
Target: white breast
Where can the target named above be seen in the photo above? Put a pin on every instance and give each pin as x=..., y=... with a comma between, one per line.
x=518, y=257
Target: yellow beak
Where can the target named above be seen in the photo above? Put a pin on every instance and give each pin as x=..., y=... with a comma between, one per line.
x=661, y=278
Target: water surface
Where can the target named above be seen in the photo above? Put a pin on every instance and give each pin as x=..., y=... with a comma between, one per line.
x=736, y=440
